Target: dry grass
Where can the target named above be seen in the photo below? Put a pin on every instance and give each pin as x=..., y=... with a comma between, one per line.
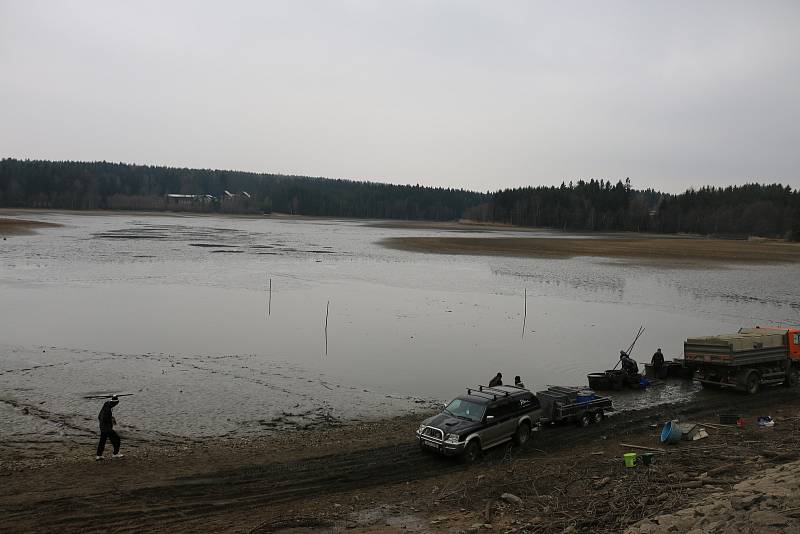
x=22, y=226
x=649, y=249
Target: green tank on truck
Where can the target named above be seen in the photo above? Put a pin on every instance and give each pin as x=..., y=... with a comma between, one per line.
x=747, y=360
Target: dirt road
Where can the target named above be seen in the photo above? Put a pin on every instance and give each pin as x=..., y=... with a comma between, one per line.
x=372, y=478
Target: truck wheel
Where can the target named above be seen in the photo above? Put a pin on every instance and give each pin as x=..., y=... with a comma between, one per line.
x=584, y=419
x=792, y=379
x=522, y=434
x=753, y=383
x=598, y=416
x=471, y=452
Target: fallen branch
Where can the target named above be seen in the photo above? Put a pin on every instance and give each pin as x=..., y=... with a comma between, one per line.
x=628, y=445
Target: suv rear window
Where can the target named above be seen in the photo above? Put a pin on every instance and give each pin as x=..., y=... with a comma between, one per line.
x=466, y=409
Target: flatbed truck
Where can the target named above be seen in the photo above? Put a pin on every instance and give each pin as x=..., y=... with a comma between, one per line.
x=747, y=360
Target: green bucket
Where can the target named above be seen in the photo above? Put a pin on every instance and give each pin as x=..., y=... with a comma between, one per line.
x=630, y=459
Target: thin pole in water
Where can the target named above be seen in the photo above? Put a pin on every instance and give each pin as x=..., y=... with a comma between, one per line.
x=525, y=316
x=327, y=309
x=269, y=308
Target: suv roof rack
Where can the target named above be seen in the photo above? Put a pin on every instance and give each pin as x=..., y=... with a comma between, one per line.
x=504, y=392
x=478, y=392
x=486, y=392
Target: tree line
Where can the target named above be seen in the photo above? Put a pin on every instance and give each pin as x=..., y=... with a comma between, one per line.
x=771, y=210
x=104, y=185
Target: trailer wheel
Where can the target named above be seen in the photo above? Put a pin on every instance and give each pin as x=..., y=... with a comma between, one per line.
x=584, y=419
x=522, y=434
x=753, y=382
x=598, y=416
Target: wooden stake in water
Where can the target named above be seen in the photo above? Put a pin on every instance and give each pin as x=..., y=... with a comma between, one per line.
x=327, y=309
x=269, y=308
x=525, y=316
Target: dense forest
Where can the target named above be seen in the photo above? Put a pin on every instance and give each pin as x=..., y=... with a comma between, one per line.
x=103, y=185
x=752, y=209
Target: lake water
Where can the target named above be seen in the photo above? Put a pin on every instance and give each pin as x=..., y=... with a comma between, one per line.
x=177, y=311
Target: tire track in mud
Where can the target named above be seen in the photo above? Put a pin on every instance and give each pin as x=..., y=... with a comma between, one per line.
x=199, y=497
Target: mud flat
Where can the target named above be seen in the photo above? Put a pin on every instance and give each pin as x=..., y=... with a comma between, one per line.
x=22, y=226
x=371, y=477
x=646, y=249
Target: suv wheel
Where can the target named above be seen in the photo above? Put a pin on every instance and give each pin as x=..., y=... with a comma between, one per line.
x=522, y=434
x=598, y=416
x=471, y=452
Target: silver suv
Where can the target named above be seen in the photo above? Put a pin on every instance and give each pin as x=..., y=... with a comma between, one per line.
x=481, y=419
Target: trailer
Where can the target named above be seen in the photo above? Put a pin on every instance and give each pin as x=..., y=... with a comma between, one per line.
x=747, y=360
x=572, y=404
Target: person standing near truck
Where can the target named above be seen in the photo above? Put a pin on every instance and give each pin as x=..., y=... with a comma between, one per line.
x=658, y=363
x=107, y=422
x=496, y=381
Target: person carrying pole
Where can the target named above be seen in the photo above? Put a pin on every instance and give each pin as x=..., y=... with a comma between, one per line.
x=629, y=366
x=107, y=422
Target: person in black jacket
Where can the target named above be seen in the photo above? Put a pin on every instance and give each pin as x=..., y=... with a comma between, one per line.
x=496, y=381
x=629, y=365
x=107, y=422
x=658, y=363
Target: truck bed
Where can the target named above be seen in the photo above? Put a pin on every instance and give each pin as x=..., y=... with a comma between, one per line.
x=746, y=347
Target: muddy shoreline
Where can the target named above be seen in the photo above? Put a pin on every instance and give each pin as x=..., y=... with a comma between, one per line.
x=683, y=250
x=10, y=226
x=371, y=477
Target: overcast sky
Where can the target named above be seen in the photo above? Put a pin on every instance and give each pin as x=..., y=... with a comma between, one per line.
x=481, y=95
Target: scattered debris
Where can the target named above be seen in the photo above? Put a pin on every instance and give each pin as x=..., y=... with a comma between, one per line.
x=511, y=498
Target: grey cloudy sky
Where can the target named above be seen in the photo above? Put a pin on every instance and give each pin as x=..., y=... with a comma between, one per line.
x=482, y=95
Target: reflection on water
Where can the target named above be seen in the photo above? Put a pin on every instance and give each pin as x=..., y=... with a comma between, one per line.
x=175, y=309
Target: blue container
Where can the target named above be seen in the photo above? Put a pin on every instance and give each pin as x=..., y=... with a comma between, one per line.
x=671, y=433
x=587, y=395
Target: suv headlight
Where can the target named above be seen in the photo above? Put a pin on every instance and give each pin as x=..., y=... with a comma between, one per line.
x=451, y=438
x=420, y=429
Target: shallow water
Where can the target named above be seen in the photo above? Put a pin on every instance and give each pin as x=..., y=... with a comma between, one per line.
x=176, y=310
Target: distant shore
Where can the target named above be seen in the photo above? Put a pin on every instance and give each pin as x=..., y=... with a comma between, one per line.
x=648, y=248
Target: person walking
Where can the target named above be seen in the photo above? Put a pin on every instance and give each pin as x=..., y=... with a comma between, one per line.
x=107, y=422
x=496, y=381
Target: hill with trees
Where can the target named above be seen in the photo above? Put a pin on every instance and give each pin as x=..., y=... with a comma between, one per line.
x=594, y=205
x=103, y=185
